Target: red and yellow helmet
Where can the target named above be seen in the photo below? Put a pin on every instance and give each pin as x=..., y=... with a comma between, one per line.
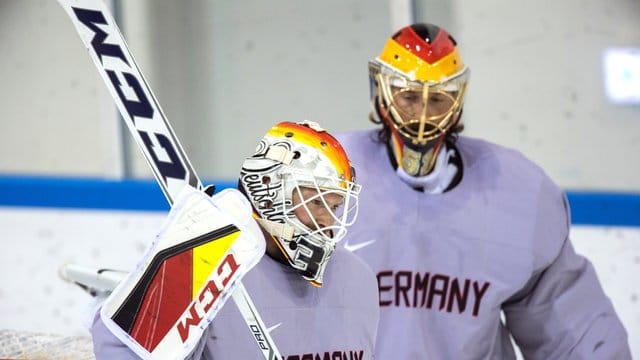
x=299, y=168
x=418, y=83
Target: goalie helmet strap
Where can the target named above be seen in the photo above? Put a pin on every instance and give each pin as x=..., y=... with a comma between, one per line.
x=280, y=154
x=284, y=231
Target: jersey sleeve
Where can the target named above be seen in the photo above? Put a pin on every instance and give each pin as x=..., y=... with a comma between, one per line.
x=563, y=312
x=107, y=346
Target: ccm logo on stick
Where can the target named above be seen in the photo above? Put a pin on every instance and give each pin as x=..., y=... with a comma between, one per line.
x=127, y=82
x=207, y=297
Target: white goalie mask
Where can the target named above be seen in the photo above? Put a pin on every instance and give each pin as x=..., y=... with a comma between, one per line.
x=301, y=185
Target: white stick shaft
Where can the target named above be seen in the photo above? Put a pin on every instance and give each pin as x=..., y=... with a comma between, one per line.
x=257, y=328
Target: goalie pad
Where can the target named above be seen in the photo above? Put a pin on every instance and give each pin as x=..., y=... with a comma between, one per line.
x=205, y=247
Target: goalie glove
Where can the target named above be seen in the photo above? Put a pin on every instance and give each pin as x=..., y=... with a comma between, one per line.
x=206, y=245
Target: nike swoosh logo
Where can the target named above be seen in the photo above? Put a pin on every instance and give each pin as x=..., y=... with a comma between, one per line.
x=358, y=246
x=270, y=329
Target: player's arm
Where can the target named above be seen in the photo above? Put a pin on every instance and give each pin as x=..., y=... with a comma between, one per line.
x=107, y=346
x=563, y=312
x=566, y=314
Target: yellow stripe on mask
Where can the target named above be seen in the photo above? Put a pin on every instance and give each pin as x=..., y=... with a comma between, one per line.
x=416, y=68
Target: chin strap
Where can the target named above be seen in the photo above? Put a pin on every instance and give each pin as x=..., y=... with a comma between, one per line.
x=284, y=231
x=439, y=179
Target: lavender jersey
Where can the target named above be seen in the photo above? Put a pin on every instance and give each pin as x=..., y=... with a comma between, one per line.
x=337, y=321
x=448, y=264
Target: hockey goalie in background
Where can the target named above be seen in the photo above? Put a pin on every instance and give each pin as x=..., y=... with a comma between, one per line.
x=461, y=231
x=296, y=197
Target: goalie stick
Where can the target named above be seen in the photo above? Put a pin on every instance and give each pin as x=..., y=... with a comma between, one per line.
x=148, y=125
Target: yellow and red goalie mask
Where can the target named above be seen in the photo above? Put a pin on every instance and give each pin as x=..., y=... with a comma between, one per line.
x=418, y=84
x=301, y=185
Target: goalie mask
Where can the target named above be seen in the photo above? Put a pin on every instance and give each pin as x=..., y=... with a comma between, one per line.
x=301, y=185
x=418, y=84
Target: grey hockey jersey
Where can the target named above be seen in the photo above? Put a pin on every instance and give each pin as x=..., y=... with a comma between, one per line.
x=449, y=264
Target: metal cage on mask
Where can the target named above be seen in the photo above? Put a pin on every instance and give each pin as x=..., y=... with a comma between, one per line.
x=419, y=111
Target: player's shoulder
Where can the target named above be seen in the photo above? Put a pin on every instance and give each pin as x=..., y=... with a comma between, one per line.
x=346, y=262
x=475, y=148
x=513, y=175
x=361, y=146
x=348, y=271
x=347, y=259
x=479, y=154
x=357, y=138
